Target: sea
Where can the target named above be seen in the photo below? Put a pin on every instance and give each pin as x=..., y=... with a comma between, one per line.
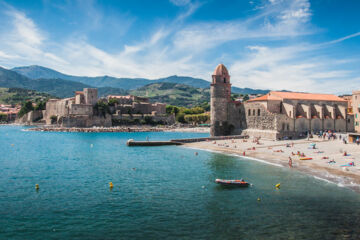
x=165, y=192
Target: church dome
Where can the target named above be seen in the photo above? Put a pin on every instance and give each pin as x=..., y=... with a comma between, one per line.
x=221, y=70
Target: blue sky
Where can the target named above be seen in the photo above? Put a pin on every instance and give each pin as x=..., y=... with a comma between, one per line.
x=298, y=45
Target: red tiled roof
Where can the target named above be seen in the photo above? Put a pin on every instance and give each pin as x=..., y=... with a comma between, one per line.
x=297, y=96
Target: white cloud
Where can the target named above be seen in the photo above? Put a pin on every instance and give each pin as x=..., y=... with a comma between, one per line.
x=180, y=2
x=180, y=48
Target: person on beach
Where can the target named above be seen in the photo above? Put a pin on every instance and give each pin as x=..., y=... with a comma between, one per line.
x=290, y=162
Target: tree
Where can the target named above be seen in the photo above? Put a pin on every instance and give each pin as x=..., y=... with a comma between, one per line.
x=180, y=117
x=3, y=117
x=246, y=97
x=40, y=105
x=101, y=108
x=27, y=107
x=53, y=119
x=113, y=101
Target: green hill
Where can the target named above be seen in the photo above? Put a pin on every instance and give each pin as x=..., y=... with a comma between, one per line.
x=38, y=72
x=174, y=94
x=57, y=87
x=19, y=95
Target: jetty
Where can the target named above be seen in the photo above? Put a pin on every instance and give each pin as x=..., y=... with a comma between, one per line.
x=133, y=143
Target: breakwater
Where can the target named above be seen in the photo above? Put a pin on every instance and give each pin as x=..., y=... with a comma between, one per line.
x=89, y=130
x=131, y=142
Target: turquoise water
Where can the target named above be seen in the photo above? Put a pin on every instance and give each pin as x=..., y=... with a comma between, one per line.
x=170, y=195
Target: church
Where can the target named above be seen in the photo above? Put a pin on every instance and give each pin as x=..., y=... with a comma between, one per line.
x=276, y=115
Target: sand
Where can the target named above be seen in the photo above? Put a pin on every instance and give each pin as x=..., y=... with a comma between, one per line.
x=277, y=153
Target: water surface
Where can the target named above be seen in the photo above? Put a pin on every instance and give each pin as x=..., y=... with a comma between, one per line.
x=159, y=192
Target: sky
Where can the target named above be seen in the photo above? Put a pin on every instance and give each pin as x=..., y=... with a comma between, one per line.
x=297, y=45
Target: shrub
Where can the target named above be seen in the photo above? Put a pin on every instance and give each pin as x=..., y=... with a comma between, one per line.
x=27, y=107
x=53, y=119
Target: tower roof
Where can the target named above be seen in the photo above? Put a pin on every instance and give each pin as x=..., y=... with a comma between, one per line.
x=221, y=70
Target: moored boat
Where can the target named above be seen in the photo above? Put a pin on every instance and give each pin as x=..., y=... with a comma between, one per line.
x=240, y=183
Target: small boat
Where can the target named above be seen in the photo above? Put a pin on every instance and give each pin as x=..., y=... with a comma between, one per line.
x=305, y=158
x=240, y=183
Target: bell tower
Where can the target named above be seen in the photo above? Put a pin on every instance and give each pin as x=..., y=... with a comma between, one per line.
x=220, y=96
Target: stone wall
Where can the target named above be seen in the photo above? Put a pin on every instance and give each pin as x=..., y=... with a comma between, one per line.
x=80, y=109
x=91, y=96
x=85, y=121
x=144, y=108
x=30, y=117
x=258, y=117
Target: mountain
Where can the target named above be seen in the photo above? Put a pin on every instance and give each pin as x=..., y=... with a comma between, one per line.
x=37, y=72
x=57, y=87
x=174, y=94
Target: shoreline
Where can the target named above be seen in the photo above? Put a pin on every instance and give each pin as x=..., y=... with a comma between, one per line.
x=318, y=168
x=119, y=129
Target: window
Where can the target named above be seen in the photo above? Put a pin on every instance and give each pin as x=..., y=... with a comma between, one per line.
x=224, y=80
x=258, y=112
x=254, y=112
x=249, y=112
x=330, y=115
x=287, y=127
x=290, y=114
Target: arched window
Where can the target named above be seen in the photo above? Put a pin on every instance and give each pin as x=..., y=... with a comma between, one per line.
x=249, y=112
x=253, y=112
x=258, y=112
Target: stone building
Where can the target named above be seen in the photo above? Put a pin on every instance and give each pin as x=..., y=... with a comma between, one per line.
x=356, y=109
x=137, y=105
x=76, y=111
x=275, y=115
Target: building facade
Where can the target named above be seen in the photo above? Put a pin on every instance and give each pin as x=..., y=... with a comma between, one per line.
x=137, y=105
x=275, y=115
x=356, y=109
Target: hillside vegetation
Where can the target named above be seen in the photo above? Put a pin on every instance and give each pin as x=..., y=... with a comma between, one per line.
x=19, y=95
x=174, y=94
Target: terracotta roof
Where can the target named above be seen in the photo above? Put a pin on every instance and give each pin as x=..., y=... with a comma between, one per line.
x=298, y=96
x=221, y=70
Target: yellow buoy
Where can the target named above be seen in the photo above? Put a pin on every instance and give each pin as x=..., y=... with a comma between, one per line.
x=277, y=185
x=111, y=185
x=37, y=186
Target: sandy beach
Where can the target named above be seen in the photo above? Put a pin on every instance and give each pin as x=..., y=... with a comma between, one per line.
x=327, y=163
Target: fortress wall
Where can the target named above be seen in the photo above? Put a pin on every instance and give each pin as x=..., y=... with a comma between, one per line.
x=90, y=95
x=142, y=108
x=159, y=108
x=85, y=121
x=80, y=109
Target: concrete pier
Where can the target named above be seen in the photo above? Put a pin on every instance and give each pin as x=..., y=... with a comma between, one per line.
x=131, y=142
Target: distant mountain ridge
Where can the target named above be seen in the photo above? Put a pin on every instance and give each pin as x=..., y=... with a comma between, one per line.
x=56, y=87
x=39, y=72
